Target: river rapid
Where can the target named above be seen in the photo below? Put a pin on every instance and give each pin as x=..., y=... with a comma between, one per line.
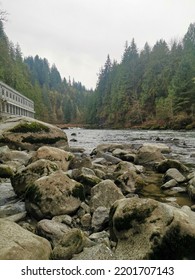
x=182, y=143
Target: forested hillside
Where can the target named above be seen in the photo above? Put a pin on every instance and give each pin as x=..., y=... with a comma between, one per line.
x=151, y=88
x=56, y=100
x=154, y=87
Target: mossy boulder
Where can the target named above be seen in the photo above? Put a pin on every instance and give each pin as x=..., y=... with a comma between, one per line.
x=53, y=195
x=26, y=176
x=147, y=229
x=71, y=243
x=30, y=134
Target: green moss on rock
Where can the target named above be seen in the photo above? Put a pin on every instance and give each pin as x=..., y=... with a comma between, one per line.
x=33, y=194
x=43, y=140
x=78, y=192
x=34, y=127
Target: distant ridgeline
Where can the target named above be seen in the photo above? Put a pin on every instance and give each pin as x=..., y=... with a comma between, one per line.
x=14, y=103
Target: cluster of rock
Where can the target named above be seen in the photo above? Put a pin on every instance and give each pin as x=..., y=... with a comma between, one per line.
x=57, y=202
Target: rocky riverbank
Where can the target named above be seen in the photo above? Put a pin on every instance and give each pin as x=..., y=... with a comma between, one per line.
x=56, y=202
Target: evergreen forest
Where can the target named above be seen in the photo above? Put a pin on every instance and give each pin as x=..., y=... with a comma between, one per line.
x=149, y=88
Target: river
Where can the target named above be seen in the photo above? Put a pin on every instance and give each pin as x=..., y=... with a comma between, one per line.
x=182, y=143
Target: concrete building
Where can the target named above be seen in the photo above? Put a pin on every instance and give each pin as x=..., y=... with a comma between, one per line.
x=14, y=103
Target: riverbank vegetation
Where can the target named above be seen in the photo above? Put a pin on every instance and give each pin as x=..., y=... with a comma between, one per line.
x=56, y=100
x=149, y=88
x=153, y=88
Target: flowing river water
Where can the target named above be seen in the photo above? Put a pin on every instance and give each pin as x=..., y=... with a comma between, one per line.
x=182, y=144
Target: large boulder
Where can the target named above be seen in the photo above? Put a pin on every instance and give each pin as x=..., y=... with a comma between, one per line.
x=147, y=229
x=149, y=154
x=60, y=157
x=26, y=176
x=29, y=134
x=54, y=195
x=17, y=243
x=104, y=194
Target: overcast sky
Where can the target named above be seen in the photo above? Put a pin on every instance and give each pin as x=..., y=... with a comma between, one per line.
x=77, y=35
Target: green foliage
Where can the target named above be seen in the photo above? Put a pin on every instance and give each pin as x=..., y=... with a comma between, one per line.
x=56, y=101
x=153, y=86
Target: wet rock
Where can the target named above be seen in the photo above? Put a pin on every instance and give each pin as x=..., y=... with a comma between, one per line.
x=54, y=195
x=71, y=243
x=173, y=173
x=17, y=243
x=60, y=157
x=30, y=134
x=104, y=194
x=147, y=229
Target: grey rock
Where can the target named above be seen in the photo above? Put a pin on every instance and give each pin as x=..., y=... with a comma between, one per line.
x=169, y=184
x=104, y=194
x=100, y=218
x=97, y=252
x=17, y=243
x=173, y=173
x=51, y=230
